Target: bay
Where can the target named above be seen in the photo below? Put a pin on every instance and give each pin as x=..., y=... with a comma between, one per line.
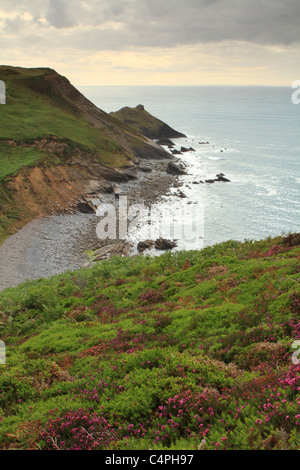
x=253, y=135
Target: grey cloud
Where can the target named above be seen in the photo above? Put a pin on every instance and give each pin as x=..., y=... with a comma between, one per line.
x=63, y=13
x=14, y=25
x=157, y=23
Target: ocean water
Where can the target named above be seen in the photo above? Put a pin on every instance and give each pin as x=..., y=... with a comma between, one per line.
x=254, y=140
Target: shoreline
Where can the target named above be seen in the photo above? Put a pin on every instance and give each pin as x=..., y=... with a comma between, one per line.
x=54, y=244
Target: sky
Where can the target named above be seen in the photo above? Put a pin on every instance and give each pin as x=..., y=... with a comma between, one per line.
x=155, y=42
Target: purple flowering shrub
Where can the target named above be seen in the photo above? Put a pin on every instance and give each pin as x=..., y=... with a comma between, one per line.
x=78, y=430
x=194, y=351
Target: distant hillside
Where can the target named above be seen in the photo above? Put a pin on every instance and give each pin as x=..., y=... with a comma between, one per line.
x=53, y=141
x=142, y=121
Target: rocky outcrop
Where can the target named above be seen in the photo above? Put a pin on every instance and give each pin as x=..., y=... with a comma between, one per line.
x=164, y=244
x=180, y=194
x=166, y=142
x=173, y=169
x=219, y=178
x=145, y=245
x=145, y=169
x=86, y=207
x=120, y=248
x=222, y=178
x=143, y=122
x=159, y=244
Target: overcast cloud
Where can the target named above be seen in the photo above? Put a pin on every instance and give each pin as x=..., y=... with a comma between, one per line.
x=123, y=23
x=95, y=26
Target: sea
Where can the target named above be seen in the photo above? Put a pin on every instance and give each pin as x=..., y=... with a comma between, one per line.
x=249, y=134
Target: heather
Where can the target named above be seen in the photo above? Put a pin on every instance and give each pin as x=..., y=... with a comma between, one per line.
x=189, y=350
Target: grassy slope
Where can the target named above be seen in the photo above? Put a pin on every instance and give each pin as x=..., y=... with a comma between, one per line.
x=183, y=351
x=143, y=122
x=32, y=114
x=42, y=104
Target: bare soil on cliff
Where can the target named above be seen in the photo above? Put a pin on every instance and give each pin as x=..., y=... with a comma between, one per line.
x=54, y=244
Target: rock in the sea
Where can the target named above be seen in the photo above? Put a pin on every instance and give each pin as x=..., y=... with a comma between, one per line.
x=166, y=142
x=176, y=152
x=173, y=169
x=164, y=244
x=184, y=149
x=180, y=194
x=145, y=245
x=221, y=177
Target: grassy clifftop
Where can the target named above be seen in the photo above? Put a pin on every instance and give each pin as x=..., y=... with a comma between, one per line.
x=143, y=122
x=51, y=137
x=42, y=103
x=192, y=350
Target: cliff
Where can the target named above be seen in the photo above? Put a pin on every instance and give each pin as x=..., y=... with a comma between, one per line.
x=54, y=142
x=143, y=122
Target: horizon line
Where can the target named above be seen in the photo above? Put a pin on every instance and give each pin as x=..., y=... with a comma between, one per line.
x=196, y=85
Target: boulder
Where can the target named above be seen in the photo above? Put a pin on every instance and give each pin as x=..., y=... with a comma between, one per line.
x=145, y=245
x=180, y=194
x=120, y=248
x=164, y=244
x=173, y=169
x=129, y=174
x=86, y=207
x=145, y=169
x=116, y=190
x=221, y=177
x=166, y=142
x=107, y=188
x=184, y=149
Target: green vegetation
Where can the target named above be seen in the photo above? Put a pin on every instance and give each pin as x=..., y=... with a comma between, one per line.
x=34, y=111
x=189, y=350
x=14, y=158
x=144, y=123
x=44, y=124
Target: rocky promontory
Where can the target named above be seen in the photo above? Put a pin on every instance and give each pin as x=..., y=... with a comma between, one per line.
x=143, y=122
x=47, y=165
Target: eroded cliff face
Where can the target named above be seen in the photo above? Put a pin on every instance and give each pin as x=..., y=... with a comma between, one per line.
x=56, y=185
